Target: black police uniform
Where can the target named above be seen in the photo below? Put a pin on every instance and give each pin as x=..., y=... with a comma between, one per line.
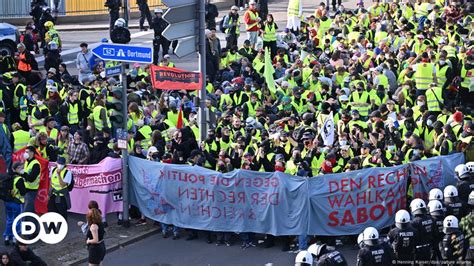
x=332, y=258
x=144, y=13
x=404, y=242
x=456, y=207
x=453, y=247
x=438, y=236
x=120, y=35
x=159, y=25
x=114, y=10
x=374, y=255
x=426, y=229
x=465, y=186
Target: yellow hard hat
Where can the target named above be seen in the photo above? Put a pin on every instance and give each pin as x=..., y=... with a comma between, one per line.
x=49, y=24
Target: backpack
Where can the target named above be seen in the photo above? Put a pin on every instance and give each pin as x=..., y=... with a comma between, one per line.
x=221, y=24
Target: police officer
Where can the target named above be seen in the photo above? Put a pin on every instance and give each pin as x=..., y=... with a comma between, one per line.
x=467, y=226
x=454, y=205
x=304, y=258
x=436, y=210
x=120, y=34
x=466, y=182
x=159, y=25
x=59, y=200
x=453, y=247
x=322, y=255
x=373, y=253
x=425, y=227
x=437, y=194
x=144, y=14
x=114, y=9
x=403, y=237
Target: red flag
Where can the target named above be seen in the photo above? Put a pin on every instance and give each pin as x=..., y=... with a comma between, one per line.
x=171, y=78
x=179, y=123
x=41, y=201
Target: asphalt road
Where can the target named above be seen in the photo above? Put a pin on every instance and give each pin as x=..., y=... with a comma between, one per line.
x=156, y=250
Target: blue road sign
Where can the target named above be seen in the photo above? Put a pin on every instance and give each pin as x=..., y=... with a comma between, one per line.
x=124, y=53
x=113, y=71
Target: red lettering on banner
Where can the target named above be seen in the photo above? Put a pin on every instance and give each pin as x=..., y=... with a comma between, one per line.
x=373, y=212
x=333, y=219
x=362, y=215
x=347, y=218
x=371, y=182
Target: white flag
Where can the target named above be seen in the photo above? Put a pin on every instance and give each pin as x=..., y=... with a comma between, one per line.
x=328, y=130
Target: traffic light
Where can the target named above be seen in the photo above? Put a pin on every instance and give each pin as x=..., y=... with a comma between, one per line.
x=117, y=108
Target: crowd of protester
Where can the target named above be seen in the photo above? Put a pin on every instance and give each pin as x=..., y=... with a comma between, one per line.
x=397, y=79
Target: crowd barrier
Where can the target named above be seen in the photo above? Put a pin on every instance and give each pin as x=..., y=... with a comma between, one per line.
x=282, y=204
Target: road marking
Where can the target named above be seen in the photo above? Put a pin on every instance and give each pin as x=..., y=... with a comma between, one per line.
x=93, y=45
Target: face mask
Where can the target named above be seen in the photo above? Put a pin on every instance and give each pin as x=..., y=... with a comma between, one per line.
x=26, y=155
x=327, y=51
x=324, y=150
x=416, y=152
x=342, y=142
x=420, y=103
x=391, y=148
x=22, y=171
x=279, y=169
x=442, y=62
x=380, y=94
x=60, y=166
x=429, y=123
x=39, y=103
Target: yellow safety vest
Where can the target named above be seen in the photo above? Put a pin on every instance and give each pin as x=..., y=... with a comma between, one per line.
x=16, y=100
x=21, y=139
x=294, y=8
x=98, y=123
x=28, y=168
x=253, y=16
x=361, y=99
x=15, y=192
x=383, y=80
x=251, y=108
x=55, y=185
x=467, y=78
x=270, y=33
x=53, y=134
x=441, y=73
x=434, y=97
x=424, y=75
x=146, y=132
x=35, y=120
x=237, y=28
x=73, y=114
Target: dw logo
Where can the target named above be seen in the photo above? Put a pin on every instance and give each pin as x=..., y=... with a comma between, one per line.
x=51, y=228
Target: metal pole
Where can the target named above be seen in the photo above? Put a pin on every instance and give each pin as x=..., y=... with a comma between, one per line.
x=126, y=11
x=125, y=186
x=202, y=69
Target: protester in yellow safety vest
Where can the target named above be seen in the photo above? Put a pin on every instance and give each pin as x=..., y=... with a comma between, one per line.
x=425, y=72
x=466, y=89
x=252, y=20
x=100, y=118
x=444, y=71
x=31, y=177
x=38, y=114
x=269, y=35
x=249, y=109
x=232, y=27
x=59, y=200
x=434, y=99
x=166, y=61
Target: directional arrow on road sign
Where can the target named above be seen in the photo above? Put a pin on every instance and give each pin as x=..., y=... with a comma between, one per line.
x=180, y=30
x=186, y=46
x=175, y=3
x=180, y=13
x=124, y=53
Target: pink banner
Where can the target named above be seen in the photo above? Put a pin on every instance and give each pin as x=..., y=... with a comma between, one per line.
x=100, y=182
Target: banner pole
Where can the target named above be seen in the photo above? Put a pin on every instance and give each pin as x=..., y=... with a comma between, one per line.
x=125, y=188
x=202, y=69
